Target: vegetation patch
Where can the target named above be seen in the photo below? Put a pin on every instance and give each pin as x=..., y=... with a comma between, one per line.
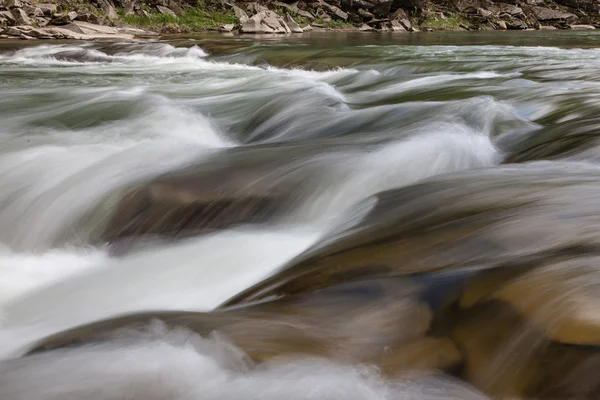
x=453, y=22
x=191, y=20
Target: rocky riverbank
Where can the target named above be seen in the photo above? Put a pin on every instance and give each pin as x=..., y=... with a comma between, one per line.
x=100, y=19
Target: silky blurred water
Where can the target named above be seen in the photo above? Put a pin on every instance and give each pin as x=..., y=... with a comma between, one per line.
x=80, y=122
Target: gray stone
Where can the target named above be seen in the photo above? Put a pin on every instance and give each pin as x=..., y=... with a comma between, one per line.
x=14, y=4
x=13, y=31
x=93, y=29
x=26, y=37
x=582, y=27
x=109, y=9
x=34, y=11
x=4, y=36
x=255, y=8
x=240, y=14
x=41, y=34
x=88, y=17
x=41, y=21
x=547, y=28
x=339, y=14
x=293, y=8
x=166, y=11
x=293, y=25
x=308, y=28
x=501, y=25
x=7, y=18
x=21, y=17
x=396, y=26
x=275, y=22
x=405, y=22
x=548, y=14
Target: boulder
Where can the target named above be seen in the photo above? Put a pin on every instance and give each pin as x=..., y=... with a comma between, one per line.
x=10, y=4
x=547, y=28
x=88, y=17
x=34, y=11
x=293, y=25
x=7, y=18
x=381, y=8
x=501, y=25
x=240, y=15
x=293, y=9
x=166, y=11
x=255, y=8
x=396, y=26
x=13, y=31
x=93, y=29
x=350, y=323
x=307, y=28
x=548, y=14
x=63, y=19
x=41, y=34
x=516, y=24
x=21, y=17
x=110, y=11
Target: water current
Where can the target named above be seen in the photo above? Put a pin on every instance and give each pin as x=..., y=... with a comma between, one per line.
x=320, y=122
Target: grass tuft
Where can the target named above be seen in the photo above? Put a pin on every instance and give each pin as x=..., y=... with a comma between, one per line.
x=192, y=20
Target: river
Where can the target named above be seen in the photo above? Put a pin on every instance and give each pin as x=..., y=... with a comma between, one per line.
x=343, y=116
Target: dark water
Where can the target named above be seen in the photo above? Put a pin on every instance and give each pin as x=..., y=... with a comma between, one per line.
x=305, y=132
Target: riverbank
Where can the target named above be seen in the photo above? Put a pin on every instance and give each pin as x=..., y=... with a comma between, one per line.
x=98, y=19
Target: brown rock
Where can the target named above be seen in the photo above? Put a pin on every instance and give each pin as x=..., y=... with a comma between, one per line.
x=14, y=4
x=501, y=25
x=63, y=19
x=34, y=11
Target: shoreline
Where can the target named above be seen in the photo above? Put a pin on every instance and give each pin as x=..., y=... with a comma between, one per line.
x=30, y=20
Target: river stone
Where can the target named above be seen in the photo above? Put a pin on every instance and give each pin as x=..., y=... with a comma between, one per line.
x=560, y=299
x=293, y=25
x=352, y=322
x=507, y=358
x=477, y=219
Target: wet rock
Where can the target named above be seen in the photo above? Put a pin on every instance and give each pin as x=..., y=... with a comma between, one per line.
x=265, y=22
x=582, y=27
x=240, y=14
x=422, y=355
x=166, y=11
x=487, y=219
x=21, y=17
x=547, y=28
x=352, y=322
x=307, y=28
x=293, y=25
x=396, y=26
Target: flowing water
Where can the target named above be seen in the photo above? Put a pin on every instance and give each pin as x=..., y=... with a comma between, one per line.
x=343, y=116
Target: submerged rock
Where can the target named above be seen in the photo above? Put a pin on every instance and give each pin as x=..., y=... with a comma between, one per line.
x=477, y=219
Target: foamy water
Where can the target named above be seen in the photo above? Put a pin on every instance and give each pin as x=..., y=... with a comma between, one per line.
x=82, y=123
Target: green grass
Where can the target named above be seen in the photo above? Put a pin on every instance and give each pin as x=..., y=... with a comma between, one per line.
x=451, y=22
x=334, y=24
x=192, y=20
